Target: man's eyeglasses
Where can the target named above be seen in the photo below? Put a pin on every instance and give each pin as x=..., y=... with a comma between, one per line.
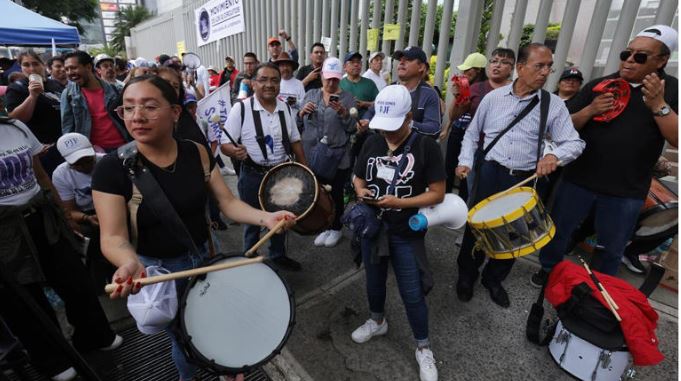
x=264, y=80
x=639, y=58
x=542, y=67
x=500, y=62
x=150, y=112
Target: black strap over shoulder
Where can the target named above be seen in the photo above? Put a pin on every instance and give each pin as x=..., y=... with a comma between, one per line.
x=154, y=197
x=259, y=135
x=403, y=161
x=543, y=116
x=476, y=166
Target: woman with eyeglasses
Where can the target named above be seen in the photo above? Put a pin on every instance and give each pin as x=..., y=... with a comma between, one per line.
x=499, y=70
x=150, y=110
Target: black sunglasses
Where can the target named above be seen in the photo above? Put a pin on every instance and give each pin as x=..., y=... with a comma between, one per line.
x=639, y=58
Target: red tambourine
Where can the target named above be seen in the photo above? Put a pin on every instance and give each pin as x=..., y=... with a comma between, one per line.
x=621, y=91
x=464, y=95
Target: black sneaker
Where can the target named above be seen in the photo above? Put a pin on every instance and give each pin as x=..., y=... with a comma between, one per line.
x=287, y=263
x=633, y=264
x=539, y=278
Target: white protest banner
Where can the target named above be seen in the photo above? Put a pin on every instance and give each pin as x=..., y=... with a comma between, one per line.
x=214, y=109
x=218, y=19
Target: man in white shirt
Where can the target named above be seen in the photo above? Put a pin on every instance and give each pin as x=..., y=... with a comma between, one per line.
x=291, y=90
x=375, y=71
x=263, y=111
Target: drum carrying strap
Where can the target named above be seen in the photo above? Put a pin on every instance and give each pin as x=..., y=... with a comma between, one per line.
x=260, y=136
x=544, y=110
x=144, y=183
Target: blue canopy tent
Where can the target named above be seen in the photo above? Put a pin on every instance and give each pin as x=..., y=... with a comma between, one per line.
x=21, y=26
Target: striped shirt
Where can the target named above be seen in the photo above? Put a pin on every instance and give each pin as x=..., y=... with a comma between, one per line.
x=517, y=149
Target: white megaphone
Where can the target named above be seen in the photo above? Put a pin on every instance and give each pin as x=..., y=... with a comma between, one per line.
x=451, y=213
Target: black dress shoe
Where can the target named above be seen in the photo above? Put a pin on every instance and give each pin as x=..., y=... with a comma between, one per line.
x=498, y=295
x=464, y=292
x=287, y=263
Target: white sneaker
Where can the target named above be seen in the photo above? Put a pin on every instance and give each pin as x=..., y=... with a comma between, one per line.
x=428, y=371
x=333, y=238
x=321, y=238
x=368, y=330
x=67, y=375
x=115, y=344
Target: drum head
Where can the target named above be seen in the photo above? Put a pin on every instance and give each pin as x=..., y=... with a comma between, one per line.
x=657, y=221
x=191, y=60
x=501, y=206
x=236, y=319
x=289, y=187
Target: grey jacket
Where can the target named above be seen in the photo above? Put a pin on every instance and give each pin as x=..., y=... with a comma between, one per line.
x=325, y=121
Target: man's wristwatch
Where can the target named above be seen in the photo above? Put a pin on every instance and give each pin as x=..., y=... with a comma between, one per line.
x=664, y=111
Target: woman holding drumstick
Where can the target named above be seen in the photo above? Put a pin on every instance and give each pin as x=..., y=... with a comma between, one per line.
x=150, y=110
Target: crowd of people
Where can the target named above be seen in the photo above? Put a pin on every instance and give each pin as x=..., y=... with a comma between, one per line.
x=89, y=144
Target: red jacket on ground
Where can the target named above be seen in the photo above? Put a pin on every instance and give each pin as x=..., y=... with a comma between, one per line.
x=639, y=319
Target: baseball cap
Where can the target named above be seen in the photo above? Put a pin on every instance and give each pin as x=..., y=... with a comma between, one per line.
x=285, y=58
x=473, y=60
x=155, y=305
x=74, y=146
x=391, y=105
x=188, y=99
x=102, y=57
x=332, y=68
x=272, y=40
x=350, y=55
x=411, y=53
x=229, y=58
x=376, y=54
x=663, y=33
x=211, y=67
x=571, y=72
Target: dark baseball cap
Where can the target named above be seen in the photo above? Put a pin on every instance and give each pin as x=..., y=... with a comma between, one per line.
x=571, y=72
x=411, y=53
x=350, y=55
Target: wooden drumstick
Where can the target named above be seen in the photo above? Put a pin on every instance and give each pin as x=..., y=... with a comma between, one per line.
x=606, y=296
x=109, y=288
x=527, y=180
x=264, y=239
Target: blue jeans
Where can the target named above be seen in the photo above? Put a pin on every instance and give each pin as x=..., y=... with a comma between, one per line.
x=403, y=258
x=248, y=186
x=188, y=261
x=615, y=221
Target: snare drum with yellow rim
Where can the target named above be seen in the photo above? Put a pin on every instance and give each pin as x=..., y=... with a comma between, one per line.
x=511, y=224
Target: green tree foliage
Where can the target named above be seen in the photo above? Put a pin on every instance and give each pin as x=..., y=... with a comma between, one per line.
x=67, y=11
x=552, y=32
x=127, y=19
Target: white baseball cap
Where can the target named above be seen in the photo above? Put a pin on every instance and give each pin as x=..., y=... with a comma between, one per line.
x=663, y=33
x=332, y=68
x=155, y=305
x=391, y=106
x=376, y=54
x=74, y=146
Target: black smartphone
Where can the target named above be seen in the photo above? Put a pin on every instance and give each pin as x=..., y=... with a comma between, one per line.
x=334, y=98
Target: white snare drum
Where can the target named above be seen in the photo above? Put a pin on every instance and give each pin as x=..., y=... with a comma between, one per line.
x=585, y=360
x=511, y=224
x=236, y=319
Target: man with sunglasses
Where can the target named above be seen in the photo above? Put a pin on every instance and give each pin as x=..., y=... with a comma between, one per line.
x=613, y=174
